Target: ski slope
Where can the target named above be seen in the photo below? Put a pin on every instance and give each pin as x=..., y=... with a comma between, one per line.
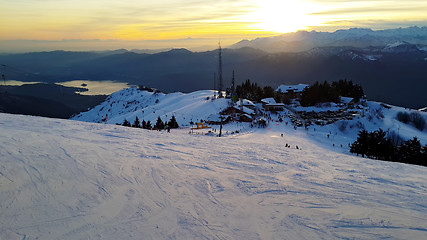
x=65, y=179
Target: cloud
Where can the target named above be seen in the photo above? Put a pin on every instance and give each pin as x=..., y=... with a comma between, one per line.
x=380, y=9
x=375, y=24
x=364, y=7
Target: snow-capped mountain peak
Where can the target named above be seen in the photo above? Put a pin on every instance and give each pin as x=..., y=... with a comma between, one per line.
x=400, y=47
x=356, y=37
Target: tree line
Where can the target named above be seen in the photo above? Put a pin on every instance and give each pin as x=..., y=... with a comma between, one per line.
x=325, y=92
x=159, y=125
x=312, y=95
x=253, y=92
x=378, y=145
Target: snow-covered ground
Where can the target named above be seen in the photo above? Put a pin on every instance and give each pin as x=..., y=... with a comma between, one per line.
x=131, y=103
x=65, y=179
x=193, y=107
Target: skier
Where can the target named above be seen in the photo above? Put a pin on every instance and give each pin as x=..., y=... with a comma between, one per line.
x=105, y=119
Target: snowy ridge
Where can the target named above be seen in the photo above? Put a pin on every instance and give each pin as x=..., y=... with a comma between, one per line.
x=131, y=103
x=62, y=179
x=400, y=46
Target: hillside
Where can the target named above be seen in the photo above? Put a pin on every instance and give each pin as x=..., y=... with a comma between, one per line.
x=195, y=106
x=62, y=179
x=131, y=103
x=47, y=100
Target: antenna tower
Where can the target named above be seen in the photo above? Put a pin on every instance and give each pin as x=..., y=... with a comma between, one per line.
x=220, y=87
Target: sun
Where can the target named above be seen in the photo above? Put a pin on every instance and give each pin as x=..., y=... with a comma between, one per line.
x=284, y=16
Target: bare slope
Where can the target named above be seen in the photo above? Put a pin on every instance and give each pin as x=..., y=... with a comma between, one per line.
x=62, y=179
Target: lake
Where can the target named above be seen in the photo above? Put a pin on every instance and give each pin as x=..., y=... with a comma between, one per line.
x=93, y=87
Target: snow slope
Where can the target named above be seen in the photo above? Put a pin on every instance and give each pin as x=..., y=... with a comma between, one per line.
x=186, y=107
x=64, y=179
x=130, y=103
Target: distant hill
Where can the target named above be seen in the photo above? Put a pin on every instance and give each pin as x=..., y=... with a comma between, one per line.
x=47, y=100
x=28, y=105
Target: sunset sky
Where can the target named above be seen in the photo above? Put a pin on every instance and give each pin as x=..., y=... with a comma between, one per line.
x=106, y=24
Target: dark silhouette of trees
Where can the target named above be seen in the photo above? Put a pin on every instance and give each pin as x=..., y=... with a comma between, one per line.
x=377, y=145
x=268, y=92
x=348, y=89
x=159, y=124
x=136, y=123
x=374, y=145
x=148, y=126
x=249, y=91
x=126, y=123
x=319, y=93
x=173, y=123
x=361, y=145
x=253, y=92
x=325, y=92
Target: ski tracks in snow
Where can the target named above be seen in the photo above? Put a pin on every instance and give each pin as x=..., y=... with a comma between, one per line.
x=73, y=180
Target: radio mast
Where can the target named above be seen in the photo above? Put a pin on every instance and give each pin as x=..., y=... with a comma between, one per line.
x=220, y=82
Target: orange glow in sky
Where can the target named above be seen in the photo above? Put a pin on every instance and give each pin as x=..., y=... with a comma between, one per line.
x=167, y=23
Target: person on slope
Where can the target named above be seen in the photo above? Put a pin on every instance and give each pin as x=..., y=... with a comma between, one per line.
x=105, y=119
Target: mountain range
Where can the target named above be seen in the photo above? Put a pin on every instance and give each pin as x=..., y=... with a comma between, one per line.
x=356, y=37
x=391, y=65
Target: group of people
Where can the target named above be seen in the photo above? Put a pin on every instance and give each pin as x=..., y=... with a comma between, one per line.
x=289, y=146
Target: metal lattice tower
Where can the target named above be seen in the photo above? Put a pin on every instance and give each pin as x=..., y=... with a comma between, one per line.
x=220, y=82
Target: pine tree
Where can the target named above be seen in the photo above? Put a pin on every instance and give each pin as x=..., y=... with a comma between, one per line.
x=144, y=124
x=148, y=126
x=410, y=151
x=173, y=123
x=136, y=123
x=159, y=123
x=126, y=123
x=360, y=146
